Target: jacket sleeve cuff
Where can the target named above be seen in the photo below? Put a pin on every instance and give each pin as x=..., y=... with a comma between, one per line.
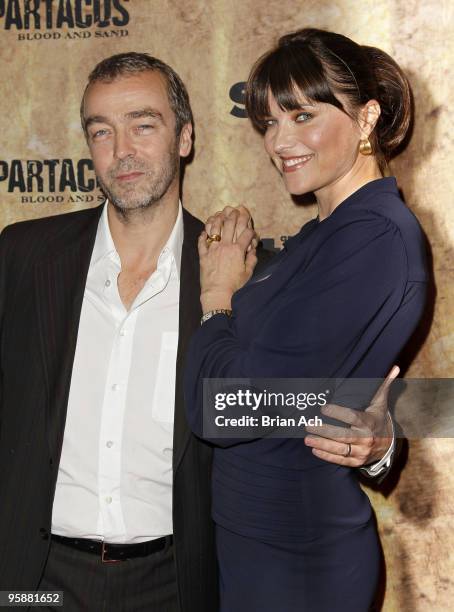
x=380, y=467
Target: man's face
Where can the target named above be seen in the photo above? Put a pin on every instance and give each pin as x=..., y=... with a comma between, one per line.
x=131, y=136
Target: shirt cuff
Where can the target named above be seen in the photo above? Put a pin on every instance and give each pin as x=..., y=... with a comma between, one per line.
x=385, y=462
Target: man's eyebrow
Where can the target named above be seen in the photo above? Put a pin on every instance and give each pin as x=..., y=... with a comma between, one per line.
x=95, y=119
x=144, y=112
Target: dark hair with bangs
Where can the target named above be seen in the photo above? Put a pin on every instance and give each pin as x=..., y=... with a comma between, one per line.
x=316, y=66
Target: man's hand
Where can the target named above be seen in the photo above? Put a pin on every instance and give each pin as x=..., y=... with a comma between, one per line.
x=365, y=441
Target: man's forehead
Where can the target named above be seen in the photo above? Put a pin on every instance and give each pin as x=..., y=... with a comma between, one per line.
x=124, y=92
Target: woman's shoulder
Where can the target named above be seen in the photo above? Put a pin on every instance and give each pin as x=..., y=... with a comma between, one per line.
x=381, y=199
x=381, y=206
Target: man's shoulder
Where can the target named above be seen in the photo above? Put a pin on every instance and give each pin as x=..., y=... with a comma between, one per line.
x=36, y=238
x=49, y=233
x=52, y=225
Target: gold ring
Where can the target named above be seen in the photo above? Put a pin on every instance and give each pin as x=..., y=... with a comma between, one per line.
x=349, y=450
x=214, y=238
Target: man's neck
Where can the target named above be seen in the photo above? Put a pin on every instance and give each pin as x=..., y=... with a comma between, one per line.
x=140, y=236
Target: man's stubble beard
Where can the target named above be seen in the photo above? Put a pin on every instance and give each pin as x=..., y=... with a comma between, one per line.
x=156, y=183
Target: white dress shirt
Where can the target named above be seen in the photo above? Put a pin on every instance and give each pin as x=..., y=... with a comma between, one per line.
x=115, y=474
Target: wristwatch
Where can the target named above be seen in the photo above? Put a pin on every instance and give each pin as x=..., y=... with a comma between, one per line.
x=211, y=313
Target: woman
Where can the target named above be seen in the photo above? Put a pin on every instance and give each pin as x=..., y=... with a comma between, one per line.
x=295, y=533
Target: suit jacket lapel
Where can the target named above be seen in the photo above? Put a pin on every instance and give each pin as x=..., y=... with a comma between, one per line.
x=189, y=319
x=60, y=279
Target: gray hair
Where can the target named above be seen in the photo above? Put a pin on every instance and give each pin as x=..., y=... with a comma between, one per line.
x=133, y=63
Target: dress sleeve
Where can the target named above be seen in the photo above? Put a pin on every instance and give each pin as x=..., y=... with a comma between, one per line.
x=333, y=307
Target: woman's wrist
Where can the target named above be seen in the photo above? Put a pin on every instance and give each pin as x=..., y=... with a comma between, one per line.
x=214, y=300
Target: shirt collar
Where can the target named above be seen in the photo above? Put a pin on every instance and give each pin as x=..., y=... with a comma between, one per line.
x=105, y=247
x=104, y=244
x=175, y=241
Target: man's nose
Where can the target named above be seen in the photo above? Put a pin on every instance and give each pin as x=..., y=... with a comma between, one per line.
x=124, y=146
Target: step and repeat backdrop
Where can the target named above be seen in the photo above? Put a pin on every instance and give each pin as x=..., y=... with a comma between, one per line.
x=48, y=47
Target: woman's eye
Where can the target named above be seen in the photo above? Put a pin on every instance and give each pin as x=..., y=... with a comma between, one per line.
x=268, y=123
x=302, y=117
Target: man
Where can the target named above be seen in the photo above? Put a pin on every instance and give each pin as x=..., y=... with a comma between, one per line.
x=83, y=346
x=105, y=494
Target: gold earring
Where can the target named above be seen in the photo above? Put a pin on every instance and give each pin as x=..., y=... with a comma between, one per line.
x=365, y=148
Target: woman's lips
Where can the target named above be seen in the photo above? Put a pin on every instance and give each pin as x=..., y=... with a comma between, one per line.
x=291, y=164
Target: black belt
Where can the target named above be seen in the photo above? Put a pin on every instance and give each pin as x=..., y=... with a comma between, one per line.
x=110, y=553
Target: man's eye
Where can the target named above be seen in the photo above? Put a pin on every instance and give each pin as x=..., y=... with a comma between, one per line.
x=144, y=127
x=99, y=133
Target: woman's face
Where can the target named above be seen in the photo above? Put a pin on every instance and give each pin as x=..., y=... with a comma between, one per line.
x=313, y=147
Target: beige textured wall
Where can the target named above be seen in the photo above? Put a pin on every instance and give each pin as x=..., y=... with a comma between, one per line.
x=212, y=45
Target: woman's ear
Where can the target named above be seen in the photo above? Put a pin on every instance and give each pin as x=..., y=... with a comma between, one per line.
x=368, y=117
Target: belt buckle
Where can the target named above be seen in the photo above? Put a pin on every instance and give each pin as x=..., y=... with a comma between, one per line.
x=103, y=555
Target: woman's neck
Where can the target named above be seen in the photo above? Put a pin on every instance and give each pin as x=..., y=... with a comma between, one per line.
x=330, y=196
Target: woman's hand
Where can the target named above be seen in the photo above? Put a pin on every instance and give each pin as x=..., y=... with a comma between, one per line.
x=215, y=222
x=226, y=265
x=366, y=439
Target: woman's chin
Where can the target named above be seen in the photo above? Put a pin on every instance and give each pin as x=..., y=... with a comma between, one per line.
x=297, y=188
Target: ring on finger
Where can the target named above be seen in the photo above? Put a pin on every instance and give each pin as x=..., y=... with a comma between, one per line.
x=214, y=238
x=348, y=452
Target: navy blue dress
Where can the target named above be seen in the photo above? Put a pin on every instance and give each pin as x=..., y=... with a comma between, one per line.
x=295, y=533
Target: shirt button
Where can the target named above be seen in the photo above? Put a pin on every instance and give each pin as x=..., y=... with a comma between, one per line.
x=123, y=332
x=107, y=283
x=108, y=500
x=115, y=387
x=109, y=444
